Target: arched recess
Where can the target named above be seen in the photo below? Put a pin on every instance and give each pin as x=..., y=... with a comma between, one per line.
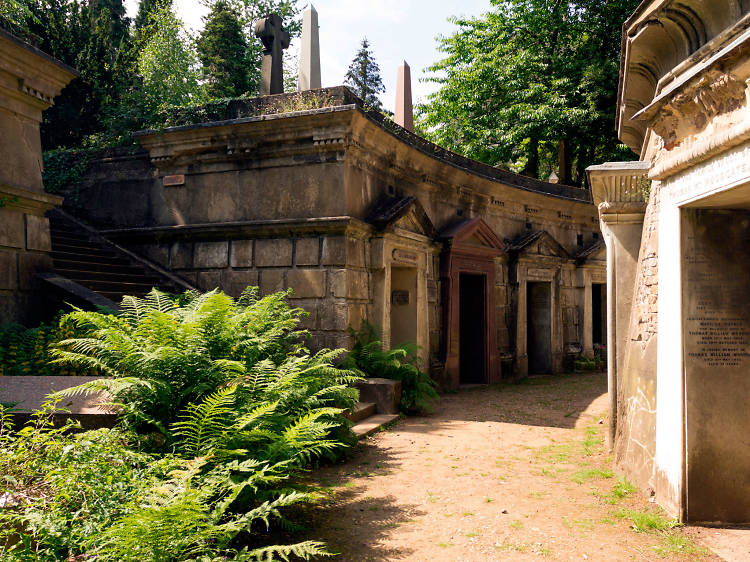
x=656, y=43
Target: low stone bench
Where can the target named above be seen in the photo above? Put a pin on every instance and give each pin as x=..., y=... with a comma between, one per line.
x=27, y=394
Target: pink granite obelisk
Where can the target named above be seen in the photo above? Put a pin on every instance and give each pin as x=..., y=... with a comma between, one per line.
x=404, y=115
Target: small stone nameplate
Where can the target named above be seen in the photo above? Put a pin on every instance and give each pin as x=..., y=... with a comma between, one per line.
x=405, y=257
x=173, y=181
x=400, y=297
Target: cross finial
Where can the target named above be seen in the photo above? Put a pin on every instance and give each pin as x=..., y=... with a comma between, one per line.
x=275, y=39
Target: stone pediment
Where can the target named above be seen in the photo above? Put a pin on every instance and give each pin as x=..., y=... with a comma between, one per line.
x=474, y=236
x=596, y=252
x=538, y=243
x=404, y=213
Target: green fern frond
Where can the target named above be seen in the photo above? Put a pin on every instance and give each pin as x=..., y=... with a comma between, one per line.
x=204, y=424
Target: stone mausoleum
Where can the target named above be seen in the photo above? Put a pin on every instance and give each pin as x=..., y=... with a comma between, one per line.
x=677, y=227
x=491, y=273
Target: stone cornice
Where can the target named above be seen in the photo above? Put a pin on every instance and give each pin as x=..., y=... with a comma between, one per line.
x=662, y=42
x=247, y=229
x=29, y=201
x=37, y=78
x=266, y=137
x=620, y=187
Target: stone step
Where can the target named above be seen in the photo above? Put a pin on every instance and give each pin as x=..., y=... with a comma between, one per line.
x=81, y=248
x=115, y=276
x=125, y=269
x=372, y=424
x=361, y=411
x=88, y=257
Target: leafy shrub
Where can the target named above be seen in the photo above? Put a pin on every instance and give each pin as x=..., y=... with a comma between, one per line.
x=239, y=407
x=400, y=363
x=25, y=351
x=68, y=487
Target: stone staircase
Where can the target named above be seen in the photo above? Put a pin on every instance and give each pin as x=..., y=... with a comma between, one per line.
x=378, y=406
x=86, y=264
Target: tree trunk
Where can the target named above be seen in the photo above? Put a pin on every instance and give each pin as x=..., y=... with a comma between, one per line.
x=532, y=163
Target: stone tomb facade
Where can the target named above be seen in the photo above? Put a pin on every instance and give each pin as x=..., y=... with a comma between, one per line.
x=29, y=81
x=677, y=227
x=364, y=221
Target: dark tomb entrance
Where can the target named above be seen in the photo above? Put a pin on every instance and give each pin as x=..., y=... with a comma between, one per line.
x=472, y=329
x=539, y=327
x=468, y=271
x=598, y=313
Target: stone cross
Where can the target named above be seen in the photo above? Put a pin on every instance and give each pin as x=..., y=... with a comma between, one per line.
x=270, y=30
x=404, y=114
x=309, y=64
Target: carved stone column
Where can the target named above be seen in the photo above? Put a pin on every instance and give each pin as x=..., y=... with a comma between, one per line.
x=620, y=191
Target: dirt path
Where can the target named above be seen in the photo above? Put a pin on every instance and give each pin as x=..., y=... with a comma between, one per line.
x=517, y=472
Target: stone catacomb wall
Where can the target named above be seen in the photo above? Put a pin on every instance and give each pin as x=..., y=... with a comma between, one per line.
x=29, y=81
x=344, y=208
x=681, y=361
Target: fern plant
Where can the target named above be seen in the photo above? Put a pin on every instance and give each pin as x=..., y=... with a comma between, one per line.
x=418, y=390
x=241, y=406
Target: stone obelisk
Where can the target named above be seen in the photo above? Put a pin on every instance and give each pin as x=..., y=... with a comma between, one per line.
x=309, y=61
x=404, y=114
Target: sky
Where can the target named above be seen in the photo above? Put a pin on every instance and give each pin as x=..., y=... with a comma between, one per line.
x=397, y=30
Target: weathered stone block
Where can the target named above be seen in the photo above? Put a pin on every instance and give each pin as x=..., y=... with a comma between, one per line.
x=334, y=251
x=334, y=316
x=310, y=320
x=181, y=255
x=209, y=280
x=273, y=253
x=242, y=253
x=385, y=393
x=307, y=251
x=338, y=280
x=355, y=252
x=271, y=281
x=345, y=283
x=234, y=282
x=157, y=253
x=211, y=254
x=37, y=233
x=28, y=265
x=8, y=271
x=12, y=232
x=307, y=283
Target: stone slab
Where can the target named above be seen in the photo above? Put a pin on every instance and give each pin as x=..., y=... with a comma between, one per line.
x=12, y=234
x=306, y=283
x=273, y=253
x=242, y=253
x=211, y=255
x=8, y=271
x=271, y=281
x=373, y=424
x=28, y=394
x=37, y=234
x=307, y=251
x=385, y=393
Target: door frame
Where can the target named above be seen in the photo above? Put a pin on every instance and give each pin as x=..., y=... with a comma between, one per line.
x=464, y=255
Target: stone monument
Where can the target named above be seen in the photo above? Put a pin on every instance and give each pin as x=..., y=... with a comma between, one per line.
x=309, y=64
x=404, y=115
x=29, y=82
x=275, y=39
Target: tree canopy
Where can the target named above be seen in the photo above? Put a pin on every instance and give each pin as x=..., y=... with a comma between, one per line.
x=223, y=52
x=131, y=70
x=363, y=76
x=531, y=86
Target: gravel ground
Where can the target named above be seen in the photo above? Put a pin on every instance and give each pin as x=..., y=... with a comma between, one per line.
x=511, y=472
